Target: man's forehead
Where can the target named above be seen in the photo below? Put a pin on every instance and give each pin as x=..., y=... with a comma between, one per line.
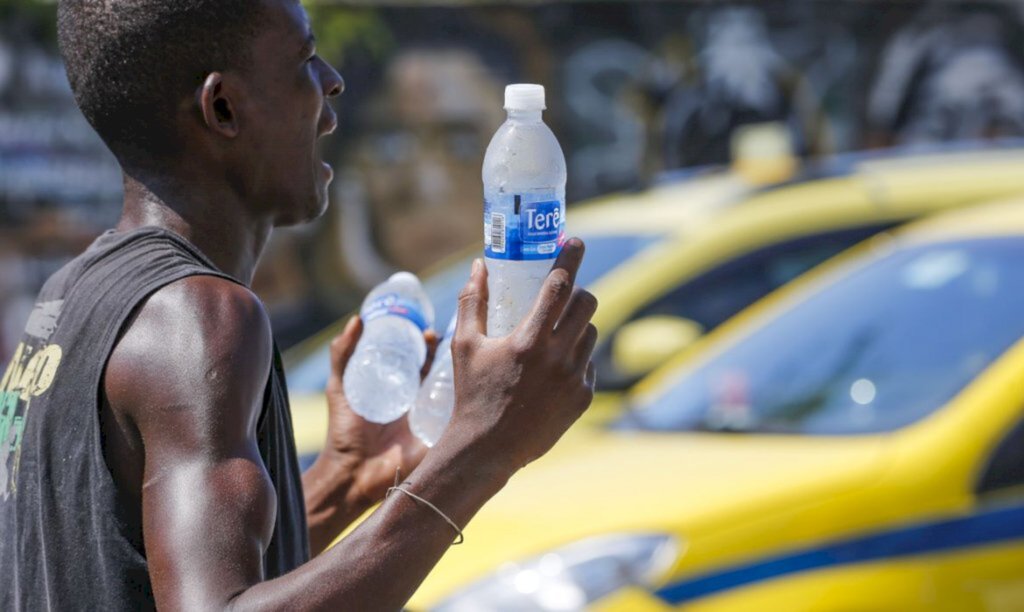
x=286, y=19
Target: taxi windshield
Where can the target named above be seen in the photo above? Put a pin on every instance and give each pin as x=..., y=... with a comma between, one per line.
x=882, y=347
x=604, y=252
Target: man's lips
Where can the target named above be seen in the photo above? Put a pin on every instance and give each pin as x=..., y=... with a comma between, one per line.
x=327, y=170
x=328, y=122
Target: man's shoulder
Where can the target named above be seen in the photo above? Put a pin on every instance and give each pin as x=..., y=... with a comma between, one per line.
x=208, y=302
x=202, y=334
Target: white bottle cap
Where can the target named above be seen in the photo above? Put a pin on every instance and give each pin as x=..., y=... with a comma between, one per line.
x=524, y=97
x=405, y=279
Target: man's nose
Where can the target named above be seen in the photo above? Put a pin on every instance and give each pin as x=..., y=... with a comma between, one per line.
x=332, y=82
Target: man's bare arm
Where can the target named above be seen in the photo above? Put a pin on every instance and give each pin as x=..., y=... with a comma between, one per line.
x=208, y=505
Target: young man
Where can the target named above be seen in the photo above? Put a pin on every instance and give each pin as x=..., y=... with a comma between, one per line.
x=146, y=450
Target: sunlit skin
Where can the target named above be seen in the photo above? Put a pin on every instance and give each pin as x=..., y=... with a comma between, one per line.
x=183, y=388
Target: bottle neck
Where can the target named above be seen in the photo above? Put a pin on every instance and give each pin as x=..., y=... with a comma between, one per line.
x=524, y=116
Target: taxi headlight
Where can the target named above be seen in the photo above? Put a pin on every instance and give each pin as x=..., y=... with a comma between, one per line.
x=570, y=577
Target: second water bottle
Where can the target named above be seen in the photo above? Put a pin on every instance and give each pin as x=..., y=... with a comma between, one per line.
x=383, y=376
x=429, y=417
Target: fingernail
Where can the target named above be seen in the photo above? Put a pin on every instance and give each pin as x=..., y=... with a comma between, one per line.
x=575, y=243
x=476, y=266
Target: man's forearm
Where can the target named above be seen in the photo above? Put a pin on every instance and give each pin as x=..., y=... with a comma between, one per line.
x=380, y=565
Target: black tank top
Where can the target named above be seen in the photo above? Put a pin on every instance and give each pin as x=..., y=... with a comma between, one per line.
x=65, y=543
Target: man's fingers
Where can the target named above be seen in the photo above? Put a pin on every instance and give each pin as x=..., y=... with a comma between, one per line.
x=413, y=454
x=344, y=344
x=556, y=290
x=585, y=349
x=412, y=449
x=472, y=317
x=590, y=378
x=581, y=308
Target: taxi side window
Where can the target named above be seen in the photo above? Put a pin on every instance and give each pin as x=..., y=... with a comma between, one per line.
x=718, y=294
x=1005, y=468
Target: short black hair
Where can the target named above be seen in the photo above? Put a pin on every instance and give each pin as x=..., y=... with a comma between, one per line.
x=130, y=63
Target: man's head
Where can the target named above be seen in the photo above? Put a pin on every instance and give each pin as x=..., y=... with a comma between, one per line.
x=232, y=84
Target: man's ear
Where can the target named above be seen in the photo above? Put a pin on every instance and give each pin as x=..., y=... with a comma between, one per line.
x=218, y=111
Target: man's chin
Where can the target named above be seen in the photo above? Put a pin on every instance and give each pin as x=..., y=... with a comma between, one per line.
x=314, y=208
x=320, y=207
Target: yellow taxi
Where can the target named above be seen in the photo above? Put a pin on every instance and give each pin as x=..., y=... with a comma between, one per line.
x=671, y=263
x=855, y=441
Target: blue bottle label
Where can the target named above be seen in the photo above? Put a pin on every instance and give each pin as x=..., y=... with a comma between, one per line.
x=394, y=305
x=524, y=227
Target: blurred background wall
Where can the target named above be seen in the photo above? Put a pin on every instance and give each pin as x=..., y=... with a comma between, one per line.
x=636, y=90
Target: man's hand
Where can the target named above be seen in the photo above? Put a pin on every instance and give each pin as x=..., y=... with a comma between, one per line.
x=375, y=450
x=360, y=458
x=517, y=395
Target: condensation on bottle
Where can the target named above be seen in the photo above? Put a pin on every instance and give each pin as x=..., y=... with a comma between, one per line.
x=436, y=400
x=383, y=375
x=524, y=208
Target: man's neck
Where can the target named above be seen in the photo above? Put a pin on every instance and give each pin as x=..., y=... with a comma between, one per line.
x=215, y=221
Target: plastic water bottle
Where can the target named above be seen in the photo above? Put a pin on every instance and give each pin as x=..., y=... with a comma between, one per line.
x=429, y=417
x=383, y=375
x=524, y=208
